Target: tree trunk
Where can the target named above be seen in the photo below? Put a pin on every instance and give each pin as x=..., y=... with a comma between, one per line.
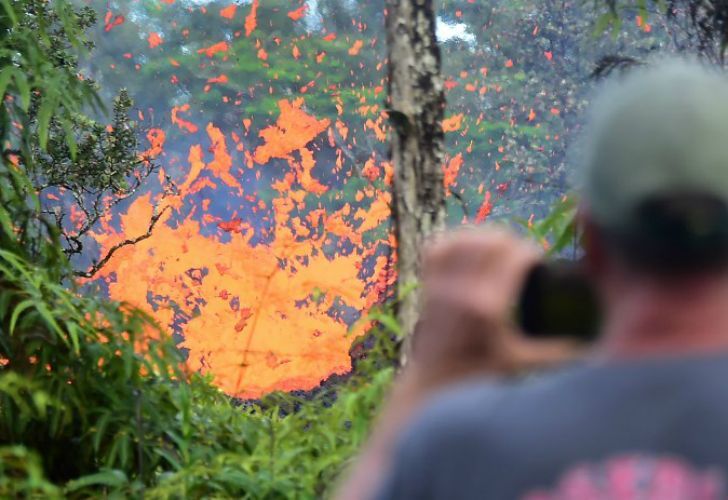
x=416, y=110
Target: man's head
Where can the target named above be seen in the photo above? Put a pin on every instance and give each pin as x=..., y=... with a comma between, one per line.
x=655, y=171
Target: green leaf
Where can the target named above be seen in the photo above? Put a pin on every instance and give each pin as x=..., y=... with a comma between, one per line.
x=19, y=266
x=566, y=237
x=604, y=22
x=388, y=321
x=169, y=457
x=111, y=478
x=73, y=334
x=5, y=75
x=408, y=289
x=100, y=430
x=47, y=108
x=11, y=13
x=23, y=89
x=67, y=127
x=50, y=321
x=616, y=27
x=17, y=311
x=6, y=223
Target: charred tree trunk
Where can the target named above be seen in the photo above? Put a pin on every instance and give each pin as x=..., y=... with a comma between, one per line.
x=417, y=104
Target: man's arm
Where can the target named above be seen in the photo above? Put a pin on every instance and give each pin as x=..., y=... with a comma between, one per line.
x=470, y=283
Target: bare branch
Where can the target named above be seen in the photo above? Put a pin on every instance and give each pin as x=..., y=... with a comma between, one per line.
x=96, y=212
x=462, y=202
x=344, y=148
x=101, y=263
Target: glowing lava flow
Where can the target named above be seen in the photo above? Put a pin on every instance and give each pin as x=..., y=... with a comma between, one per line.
x=259, y=310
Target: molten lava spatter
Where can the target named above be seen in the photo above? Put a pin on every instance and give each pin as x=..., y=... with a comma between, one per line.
x=260, y=309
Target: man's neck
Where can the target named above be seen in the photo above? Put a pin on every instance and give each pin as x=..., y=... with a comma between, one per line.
x=655, y=319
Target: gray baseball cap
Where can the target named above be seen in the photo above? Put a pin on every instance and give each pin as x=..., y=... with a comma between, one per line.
x=658, y=133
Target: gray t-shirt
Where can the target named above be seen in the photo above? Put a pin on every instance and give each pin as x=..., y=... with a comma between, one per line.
x=653, y=428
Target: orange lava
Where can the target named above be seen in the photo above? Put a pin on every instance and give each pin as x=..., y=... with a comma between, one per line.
x=229, y=11
x=256, y=315
x=251, y=20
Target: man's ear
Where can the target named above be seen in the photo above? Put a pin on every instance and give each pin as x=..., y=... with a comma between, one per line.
x=595, y=258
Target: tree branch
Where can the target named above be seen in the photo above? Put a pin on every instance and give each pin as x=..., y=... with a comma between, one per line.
x=101, y=263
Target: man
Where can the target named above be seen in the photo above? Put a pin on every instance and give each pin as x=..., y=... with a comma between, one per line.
x=644, y=413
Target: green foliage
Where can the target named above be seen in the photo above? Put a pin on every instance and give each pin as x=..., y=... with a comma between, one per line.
x=45, y=129
x=284, y=447
x=36, y=85
x=74, y=381
x=103, y=156
x=22, y=476
x=557, y=232
x=38, y=57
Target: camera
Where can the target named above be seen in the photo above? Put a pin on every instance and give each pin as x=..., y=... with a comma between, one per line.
x=557, y=300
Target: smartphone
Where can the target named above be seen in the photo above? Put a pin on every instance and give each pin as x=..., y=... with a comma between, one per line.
x=557, y=300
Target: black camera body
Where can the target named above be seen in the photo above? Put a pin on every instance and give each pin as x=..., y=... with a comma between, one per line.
x=557, y=300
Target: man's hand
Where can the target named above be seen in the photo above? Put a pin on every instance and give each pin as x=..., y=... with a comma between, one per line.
x=471, y=281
